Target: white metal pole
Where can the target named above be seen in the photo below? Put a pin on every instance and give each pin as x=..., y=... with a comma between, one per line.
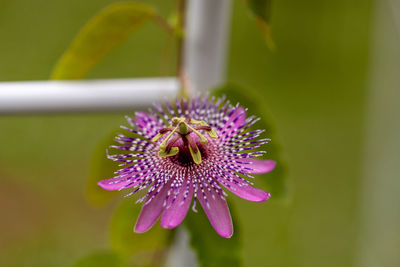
x=85, y=95
x=379, y=236
x=207, y=39
x=205, y=59
x=205, y=52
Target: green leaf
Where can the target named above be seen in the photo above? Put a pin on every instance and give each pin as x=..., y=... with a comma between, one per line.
x=101, y=168
x=212, y=249
x=261, y=10
x=101, y=259
x=125, y=241
x=104, y=32
x=275, y=181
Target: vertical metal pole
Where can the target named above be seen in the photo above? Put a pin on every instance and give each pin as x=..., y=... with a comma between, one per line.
x=379, y=240
x=206, y=46
x=207, y=38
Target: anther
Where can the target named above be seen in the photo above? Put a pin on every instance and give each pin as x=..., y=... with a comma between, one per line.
x=183, y=130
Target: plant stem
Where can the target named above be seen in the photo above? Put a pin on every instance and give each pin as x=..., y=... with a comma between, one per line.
x=164, y=24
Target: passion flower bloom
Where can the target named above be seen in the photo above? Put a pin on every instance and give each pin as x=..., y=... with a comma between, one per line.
x=190, y=149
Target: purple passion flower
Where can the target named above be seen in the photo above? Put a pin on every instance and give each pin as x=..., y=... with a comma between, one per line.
x=187, y=150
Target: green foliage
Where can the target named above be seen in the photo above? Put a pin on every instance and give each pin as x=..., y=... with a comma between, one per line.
x=104, y=32
x=261, y=10
x=275, y=181
x=212, y=249
x=173, y=20
x=125, y=241
x=101, y=168
x=101, y=259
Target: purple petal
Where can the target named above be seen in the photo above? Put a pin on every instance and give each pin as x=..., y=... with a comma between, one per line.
x=259, y=166
x=120, y=182
x=175, y=214
x=248, y=192
x=114, y=183
x=151, y=212
x=217, y=212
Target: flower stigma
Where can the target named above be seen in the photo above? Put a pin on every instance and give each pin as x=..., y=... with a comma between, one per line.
x=181, y=128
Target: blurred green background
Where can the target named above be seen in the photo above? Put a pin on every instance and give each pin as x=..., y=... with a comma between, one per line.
x=315, y=89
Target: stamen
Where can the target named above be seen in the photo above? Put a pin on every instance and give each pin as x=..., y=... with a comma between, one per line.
x=193, y=121
x=161, y=133
x=203, y=140
x=173, y=151
x=210, y=132
x=183, y=131
x=183, y=121
x=163, y=145
x=194, y=150
x=171, y=142
x=207, y=128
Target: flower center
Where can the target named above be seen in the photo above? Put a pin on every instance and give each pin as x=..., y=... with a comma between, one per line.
x=182, y=129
